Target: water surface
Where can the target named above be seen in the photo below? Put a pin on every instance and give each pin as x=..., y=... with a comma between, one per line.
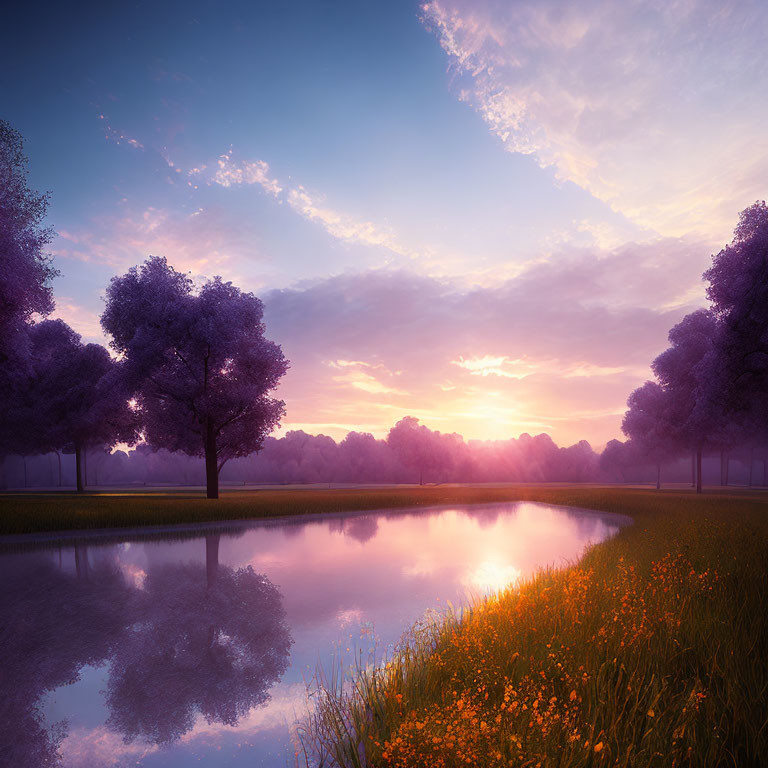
x=194, y=648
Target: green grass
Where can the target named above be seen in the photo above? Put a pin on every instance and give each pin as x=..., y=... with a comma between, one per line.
x=49, y=512
x=652, y=651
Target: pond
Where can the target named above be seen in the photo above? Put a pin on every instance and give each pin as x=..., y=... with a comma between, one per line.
x=194, y=646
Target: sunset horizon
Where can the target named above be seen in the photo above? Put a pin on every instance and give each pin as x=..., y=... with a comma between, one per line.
x=419, y=186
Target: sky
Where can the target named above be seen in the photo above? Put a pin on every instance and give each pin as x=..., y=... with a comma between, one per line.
x=484, y=214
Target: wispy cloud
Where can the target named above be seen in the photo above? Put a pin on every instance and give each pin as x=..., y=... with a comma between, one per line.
x=229, y=173
x=649, y=106
x=202, y=242
x=341, y=225
x=521, y=368
x=368, y=377
x=117, y=136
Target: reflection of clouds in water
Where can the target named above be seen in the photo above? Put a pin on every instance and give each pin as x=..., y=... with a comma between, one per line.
x=349, y=616
x=100, y=746
x=411, y=559
x=176, y=647
x=133, y=574
x=86, y=748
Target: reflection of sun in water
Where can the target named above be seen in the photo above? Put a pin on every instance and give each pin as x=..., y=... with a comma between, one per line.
x=491, y=576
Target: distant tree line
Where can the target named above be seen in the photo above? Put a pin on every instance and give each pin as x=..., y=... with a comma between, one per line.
x=411, y=453
x=360, y=458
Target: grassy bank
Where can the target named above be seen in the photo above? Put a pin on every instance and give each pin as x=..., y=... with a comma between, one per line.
x=652, y=651
x=46, y=512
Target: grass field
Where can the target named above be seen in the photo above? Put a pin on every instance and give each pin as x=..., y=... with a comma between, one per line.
x=47, y=512
x=652, y=651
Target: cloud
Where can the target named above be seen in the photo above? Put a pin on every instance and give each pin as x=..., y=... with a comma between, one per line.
x=117, y=136
x=365, y=376
x=651, y=107
x=230, y=173
x=556, y=348
x=341, y=225
x=488, y=365
x=203, y=242
x=86, y=322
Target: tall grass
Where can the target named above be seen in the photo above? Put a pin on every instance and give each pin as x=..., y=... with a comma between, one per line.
x=651, y=651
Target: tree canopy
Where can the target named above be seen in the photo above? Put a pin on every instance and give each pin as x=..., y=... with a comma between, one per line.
x=198, y=364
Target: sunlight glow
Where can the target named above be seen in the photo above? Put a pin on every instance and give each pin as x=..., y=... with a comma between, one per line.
x=492, y=576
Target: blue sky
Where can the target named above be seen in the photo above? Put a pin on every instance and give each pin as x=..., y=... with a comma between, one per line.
x=320, y=153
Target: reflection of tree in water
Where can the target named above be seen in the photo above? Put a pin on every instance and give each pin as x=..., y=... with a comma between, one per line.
x=51, y=625
x=362, y=528
x=485, y=517
x=209, y=640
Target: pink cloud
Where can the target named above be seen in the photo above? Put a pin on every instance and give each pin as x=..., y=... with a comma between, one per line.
x=557, y=348
x=205, y=242
x=650, y=107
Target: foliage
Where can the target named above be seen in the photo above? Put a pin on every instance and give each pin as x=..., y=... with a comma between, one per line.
x=25, y=268
x=70, y=397
x=198, y=364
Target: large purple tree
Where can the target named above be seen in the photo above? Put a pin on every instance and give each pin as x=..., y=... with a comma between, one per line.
x=74, y=398
x=25, y=267
x=198, y=364
x=738, y=290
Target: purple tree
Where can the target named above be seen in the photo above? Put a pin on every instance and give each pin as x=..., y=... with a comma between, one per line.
x=198, y=364
x=738, y=290
x=25, y=268
x=73, y=398
x=649, y=424
x=419, y=447
x=687, y=371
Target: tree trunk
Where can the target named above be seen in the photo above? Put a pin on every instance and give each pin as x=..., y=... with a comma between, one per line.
x=81, y=563
x=699, y=451
x=85, y=466
x=421, y=477
x=79, y=469
x=212, y=558
x=751, y=466
x=693, y=469
x=211, y=465
x=58, y=456
x=658, y=476
x=24, y=462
